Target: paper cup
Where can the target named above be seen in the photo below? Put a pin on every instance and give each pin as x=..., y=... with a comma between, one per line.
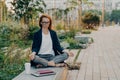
x=27, y=68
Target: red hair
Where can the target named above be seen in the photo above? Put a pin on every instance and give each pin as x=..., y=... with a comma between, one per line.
x=45, y=16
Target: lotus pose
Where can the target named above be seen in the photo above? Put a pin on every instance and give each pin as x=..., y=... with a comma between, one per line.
x=46, y=49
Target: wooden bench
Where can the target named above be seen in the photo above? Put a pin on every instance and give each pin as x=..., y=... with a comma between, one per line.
x=57, y=76
x=62, y=73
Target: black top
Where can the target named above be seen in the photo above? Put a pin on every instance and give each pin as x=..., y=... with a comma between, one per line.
x=38, y=39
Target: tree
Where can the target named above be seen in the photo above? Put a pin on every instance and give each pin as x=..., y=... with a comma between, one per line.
x=115, y=16
x=107, y=16
x=62, y=14
x=26, y=9
x=91, y=20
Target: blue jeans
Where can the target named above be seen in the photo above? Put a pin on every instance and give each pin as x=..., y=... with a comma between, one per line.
x=43, y=59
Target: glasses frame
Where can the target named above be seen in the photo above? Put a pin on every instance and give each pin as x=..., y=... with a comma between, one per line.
x=45, y=22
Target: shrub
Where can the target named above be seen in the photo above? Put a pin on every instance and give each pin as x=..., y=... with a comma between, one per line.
x=8, y=72
x=62, y=36
x=84, y=40
x=73, y=43
x=91, y=20
x=12, y=62
x=59, y=27
x=32, y=30
x=71, y=33
x=16, y=37
x=15, y=33
x=86, y=31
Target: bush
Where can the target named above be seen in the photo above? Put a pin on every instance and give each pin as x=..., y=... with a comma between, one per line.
x=8, y=72
x=91, y=20
x=1, y=59
x=71, y=33
x=32, y=30
x=86, y=31
x=16, y=33
x=61, y=36
x=11, y=62
x=59, y=27
x=73, y=44
x=84, y=40
x=16, y=37
x=5, y=31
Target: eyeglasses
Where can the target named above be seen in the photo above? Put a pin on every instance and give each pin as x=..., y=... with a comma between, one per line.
x=45, y=22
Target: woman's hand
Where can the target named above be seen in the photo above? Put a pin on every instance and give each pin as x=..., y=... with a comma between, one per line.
x=70, y=53
x=32, y=56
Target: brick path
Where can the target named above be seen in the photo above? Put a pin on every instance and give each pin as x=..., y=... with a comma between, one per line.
x=101, y=60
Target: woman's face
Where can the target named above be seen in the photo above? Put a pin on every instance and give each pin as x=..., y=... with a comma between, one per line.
x=45, y=22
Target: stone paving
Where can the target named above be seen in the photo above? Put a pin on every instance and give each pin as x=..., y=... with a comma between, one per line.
x=101, y=60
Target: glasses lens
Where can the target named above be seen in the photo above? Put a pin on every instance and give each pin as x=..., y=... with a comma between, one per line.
x=45, y=22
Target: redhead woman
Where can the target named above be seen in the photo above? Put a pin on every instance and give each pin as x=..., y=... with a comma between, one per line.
x=46, y=49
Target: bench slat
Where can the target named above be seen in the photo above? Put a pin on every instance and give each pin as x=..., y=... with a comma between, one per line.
x=24, y=76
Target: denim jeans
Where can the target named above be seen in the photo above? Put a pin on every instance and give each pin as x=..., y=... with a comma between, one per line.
x=43, y=59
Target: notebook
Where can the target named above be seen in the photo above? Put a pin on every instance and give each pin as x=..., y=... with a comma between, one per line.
x=41, y=73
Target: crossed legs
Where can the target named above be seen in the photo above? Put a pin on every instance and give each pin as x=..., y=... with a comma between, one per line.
x=50, y=60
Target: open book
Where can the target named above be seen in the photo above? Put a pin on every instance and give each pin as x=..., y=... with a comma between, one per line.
x=41, y=73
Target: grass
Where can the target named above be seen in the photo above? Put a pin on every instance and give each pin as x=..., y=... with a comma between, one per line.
x=11, y=63
x=77, y=55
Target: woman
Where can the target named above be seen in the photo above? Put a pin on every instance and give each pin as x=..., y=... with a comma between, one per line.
x=46, y=49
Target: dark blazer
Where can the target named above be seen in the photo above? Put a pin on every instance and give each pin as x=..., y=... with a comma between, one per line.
x=38, y=39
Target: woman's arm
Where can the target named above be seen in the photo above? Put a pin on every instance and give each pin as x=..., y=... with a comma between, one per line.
x=59, y=48
x=35, y=44
x=34, y=47
x=57, y=43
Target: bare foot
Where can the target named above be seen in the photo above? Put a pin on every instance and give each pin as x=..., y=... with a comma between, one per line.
x=60, y=65
x=51, y=63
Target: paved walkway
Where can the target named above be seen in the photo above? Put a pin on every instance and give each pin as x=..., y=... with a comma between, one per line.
x=101, y=60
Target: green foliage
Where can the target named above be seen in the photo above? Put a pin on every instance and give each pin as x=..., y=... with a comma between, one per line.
x=76, y=57
x=4, y=35
x=96, y=12
x=115, y=16
x=71, y=33
x=14, y=33
x=107, y=16
x=26, y=9
x=32, y=30
x=73, y=43
x=84, y=40
x=86, y=31
x=59, y=27
x=91, y=20
x=23, y=43
x=59, y=12
x=11, y=62
x=69, y=38
x=13, y=39
x=61, y=36
x=8, y=72
x=1, y=59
